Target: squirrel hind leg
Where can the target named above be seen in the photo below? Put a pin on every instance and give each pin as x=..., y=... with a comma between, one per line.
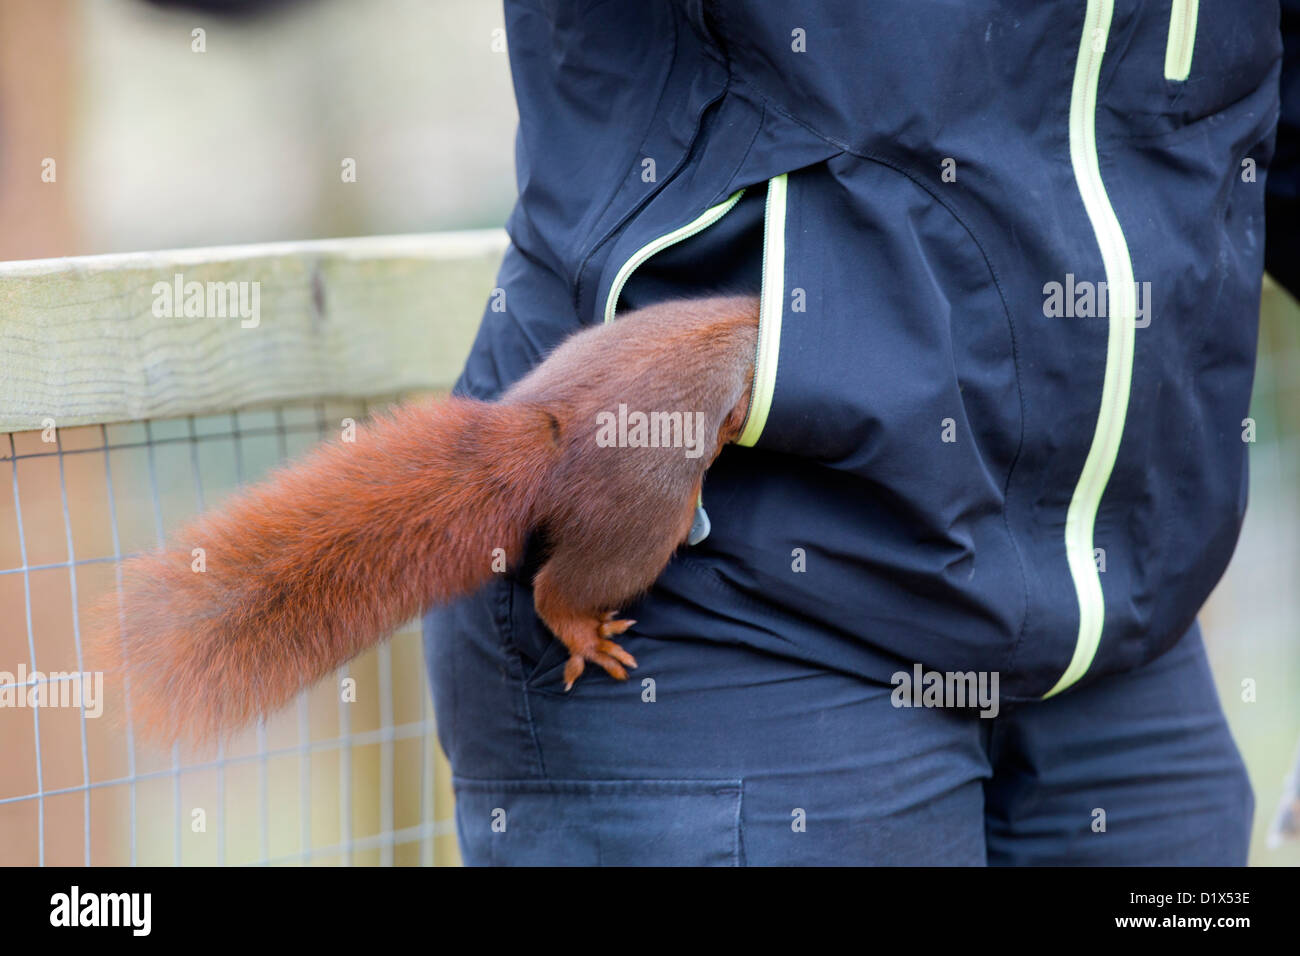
x=586, y=633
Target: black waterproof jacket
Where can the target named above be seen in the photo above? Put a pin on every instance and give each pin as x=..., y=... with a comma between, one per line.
x=1010, y=255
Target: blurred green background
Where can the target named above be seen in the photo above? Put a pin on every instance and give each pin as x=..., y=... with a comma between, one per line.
x=1252, y=620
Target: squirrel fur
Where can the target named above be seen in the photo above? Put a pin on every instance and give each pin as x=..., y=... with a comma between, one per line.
x=329, y=555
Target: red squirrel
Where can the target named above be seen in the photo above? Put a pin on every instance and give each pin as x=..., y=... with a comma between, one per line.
x=328, y=556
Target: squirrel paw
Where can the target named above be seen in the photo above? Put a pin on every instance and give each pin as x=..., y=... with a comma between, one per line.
x=588, y=640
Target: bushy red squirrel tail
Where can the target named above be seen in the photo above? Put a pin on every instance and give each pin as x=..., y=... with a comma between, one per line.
x=250, y=604
x=293, y=577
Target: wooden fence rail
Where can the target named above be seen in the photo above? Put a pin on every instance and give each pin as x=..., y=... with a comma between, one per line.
x=100, y=339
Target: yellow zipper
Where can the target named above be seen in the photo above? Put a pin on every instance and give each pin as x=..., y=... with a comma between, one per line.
x=1182, y=39
x=770, y=309
x=1080, y=519
x=655, y=246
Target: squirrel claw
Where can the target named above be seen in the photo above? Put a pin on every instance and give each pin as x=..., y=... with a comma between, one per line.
x=598, y=649
x=611, y=626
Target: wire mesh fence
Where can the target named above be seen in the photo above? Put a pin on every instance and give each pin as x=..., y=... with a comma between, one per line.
x=350, y=774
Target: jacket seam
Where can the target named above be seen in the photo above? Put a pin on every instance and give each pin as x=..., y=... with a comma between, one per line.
x=576, y=280
x=722, y=195
x=729, y=188
x=616, y=228
x=506, y=607
x=1188, y=127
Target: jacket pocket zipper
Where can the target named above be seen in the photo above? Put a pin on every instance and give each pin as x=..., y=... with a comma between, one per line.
x=1182, y=39
x=770, y=310
x=655, y=246
x=700, y=526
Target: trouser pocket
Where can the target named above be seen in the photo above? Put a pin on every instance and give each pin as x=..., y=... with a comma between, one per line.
x=598, y=822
